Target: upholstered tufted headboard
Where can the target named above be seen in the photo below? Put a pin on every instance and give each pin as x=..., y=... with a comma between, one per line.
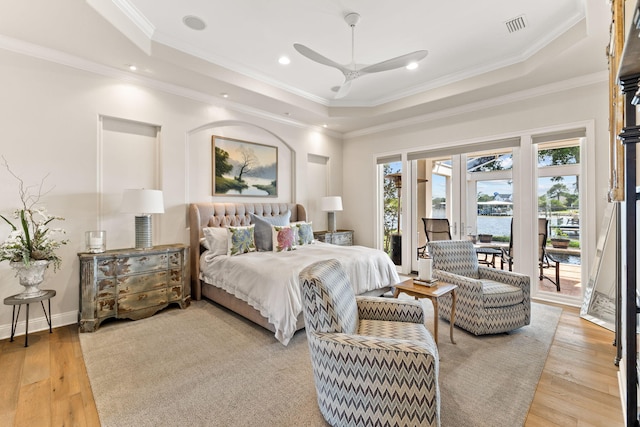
x=224, y=215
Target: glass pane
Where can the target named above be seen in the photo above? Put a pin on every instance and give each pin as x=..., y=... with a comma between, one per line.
x=434, y=196
x=559, y=203
x=439, y=193
x=495, y=210
x=391, y=210
x=489, y=162
x=549, y=155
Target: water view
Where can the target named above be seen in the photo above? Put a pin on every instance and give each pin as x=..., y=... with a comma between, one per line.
x=495, y=225
x=501, y=226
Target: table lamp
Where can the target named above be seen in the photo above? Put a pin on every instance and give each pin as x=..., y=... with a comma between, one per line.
x=143, y=203
x=331, y=204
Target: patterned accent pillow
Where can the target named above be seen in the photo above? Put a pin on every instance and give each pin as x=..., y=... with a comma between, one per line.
x=262, y=233
x=303, y=232
x=241, y=240
x=283, y=238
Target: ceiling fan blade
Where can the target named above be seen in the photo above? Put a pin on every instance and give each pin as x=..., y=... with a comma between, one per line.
x=398, y=62
x=315, y=56
x=344, y=89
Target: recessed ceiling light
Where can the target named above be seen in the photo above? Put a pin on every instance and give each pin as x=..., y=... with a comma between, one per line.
x=132, y=67
x=325, y=125
x=194, y=23
x=284, y=60
x=412, y=66
x=224, y=95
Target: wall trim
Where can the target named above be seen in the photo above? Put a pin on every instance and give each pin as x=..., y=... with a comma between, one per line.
x=556, y=87
x=62, y=58
x=38, y=324
x=225, y=123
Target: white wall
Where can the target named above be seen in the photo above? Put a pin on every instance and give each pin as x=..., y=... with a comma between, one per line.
x=570, y=106
x=49, y=123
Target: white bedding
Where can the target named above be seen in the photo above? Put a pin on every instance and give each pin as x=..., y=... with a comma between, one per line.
x=268, y=281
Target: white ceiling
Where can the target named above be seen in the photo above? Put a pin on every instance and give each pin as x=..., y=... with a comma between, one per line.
x=472, y=55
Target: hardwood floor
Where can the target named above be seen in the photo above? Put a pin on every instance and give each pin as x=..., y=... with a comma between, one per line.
x=46, y=384
x=579, y=383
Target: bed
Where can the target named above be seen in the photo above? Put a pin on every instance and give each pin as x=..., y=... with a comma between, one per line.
x=263, y=286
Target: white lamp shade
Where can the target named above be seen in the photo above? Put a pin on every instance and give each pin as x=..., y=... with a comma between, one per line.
x=142, y=201
x=331, y=203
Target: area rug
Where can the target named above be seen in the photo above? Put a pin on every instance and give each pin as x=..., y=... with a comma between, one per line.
x=205, y=366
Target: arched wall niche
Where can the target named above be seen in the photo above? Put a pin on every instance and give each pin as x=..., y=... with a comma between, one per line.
x=199, y=161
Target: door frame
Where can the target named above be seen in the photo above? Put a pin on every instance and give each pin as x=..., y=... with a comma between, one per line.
x=524, y=195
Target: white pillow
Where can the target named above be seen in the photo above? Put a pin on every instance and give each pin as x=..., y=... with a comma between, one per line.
x=217, y=240
x=204, y=243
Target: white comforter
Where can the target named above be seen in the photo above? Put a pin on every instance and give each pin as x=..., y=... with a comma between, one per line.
x=269, y=282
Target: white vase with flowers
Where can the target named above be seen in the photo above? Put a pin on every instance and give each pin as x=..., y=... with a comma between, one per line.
x=31, y=244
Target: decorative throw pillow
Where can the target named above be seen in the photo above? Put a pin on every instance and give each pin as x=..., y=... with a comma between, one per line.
x=304, y=233
x=262, y=233
x=283, y=238
x=240, y=240
x=216, y=240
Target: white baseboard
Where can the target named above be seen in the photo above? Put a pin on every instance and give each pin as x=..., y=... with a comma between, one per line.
x=38, y=323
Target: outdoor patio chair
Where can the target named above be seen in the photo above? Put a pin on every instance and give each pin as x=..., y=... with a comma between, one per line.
x=435, y=229
x=545, y=260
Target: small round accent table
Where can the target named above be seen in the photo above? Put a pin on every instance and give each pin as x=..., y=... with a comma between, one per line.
x=12, y=300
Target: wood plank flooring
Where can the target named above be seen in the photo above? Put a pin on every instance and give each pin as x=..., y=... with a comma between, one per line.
x=579, y=383
x=46, y=384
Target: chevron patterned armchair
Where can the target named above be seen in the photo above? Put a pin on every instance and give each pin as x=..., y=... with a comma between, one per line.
x=489, y=301
x=374, y=362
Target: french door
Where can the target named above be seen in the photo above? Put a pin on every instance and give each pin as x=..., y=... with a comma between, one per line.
x=473, y=191
x=495, y=193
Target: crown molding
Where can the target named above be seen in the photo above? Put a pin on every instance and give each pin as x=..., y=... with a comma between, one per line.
x=55, y=56
x=58, y=57
x=520, y=96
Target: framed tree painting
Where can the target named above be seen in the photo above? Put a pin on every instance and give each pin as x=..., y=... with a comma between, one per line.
x=243, y=168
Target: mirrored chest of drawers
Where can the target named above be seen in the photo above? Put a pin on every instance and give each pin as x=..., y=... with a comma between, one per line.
x=338, y=237
x=132, y=283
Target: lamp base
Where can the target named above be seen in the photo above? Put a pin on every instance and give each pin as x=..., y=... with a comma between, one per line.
x=331, y=224
x=143, y=232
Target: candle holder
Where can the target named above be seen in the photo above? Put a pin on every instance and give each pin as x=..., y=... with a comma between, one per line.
x=96, y=241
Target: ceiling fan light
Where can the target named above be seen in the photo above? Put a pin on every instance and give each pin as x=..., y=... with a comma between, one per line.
x=412, y=65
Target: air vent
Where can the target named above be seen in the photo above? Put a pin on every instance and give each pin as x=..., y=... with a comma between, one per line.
x=194, y=23
x=516, y=24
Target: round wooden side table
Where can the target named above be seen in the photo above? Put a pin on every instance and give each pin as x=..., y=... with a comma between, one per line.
x=14, y=301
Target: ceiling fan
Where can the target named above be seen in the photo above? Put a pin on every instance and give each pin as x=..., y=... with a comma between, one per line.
x=351, y=71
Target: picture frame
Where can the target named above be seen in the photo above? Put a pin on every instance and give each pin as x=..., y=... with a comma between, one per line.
x=243, y=168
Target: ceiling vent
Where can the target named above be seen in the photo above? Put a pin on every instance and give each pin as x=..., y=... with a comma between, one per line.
x=516, y=24
x=194, y=23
